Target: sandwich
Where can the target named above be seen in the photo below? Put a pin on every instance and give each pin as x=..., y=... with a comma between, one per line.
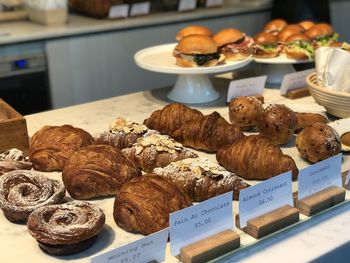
x=193, y=30
x=266, y=46
x=197, y=51
x=234, y=44
x=306, y=24
x=322, y=35
x=275, y=26
x=299, y=46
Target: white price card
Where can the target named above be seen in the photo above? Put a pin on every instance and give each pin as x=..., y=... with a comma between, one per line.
x=319, y=176
x=200, y=221
x=119, y=11
x=265, y=197
x=295, y=80
x=185, y=5
x=246, y=87
x=212, y=3
x=140, y=9
x=147, y=249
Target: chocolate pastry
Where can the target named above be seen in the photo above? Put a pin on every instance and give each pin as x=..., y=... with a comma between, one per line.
x=122, y=133
x=244, y=111
x=202, y=179
x=66, y=228
x=156, y=150
x=208, y=133
x=22, y=191
x=14, y=159
x=318, y=142
x=171, y=117
x=96, y=171
x=278, y=123
x=256, y=158
x=307, y=119
x=144, y=203
x=52, y=146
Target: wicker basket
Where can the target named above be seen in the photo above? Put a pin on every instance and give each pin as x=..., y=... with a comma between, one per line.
x=336, y=103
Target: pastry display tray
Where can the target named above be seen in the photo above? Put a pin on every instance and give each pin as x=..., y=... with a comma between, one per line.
x=17, y=245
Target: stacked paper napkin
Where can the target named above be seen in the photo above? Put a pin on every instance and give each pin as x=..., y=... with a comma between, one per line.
x=333, y=68
x=47, y=4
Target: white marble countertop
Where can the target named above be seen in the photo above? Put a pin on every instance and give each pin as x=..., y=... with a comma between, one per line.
x=319, y=238
x=24, y=31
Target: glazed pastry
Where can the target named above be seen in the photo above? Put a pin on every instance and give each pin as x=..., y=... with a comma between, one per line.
x=208, y=133
x=14, y=159
x=96, y=171
x=22, y=191
x=306, y=119
x=144, y=203
x=202, y=179
x=122, y=133
x=156, y=151
x=278, y=123
x=244, y=111
x=52, y=146
x=318, y=142
x=256, y=158
x=171, y=117
x=66, y=228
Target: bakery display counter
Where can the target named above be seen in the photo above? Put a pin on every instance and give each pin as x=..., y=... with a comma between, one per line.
x=313, y=237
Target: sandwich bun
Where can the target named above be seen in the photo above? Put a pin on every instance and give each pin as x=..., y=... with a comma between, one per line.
x=197, y=44
x=275, y=26
x=297, y=27
x=285, y=33
x=229, y=56
x=294, y=53
x=228, y=35
x=307, y=24
x=193, y=30
x=265, y=38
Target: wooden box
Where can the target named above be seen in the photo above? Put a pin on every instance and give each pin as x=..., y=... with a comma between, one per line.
x=13, y=129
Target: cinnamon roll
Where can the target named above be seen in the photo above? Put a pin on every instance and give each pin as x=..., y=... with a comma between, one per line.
x=14, y=159
x=66, y=229
x=21, y=192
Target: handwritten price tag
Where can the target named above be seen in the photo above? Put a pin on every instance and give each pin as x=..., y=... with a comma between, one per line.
x=119, y=11
x=320, y=176
x=186, y=5
x=212, y=3
x=200, y=221
x=139, y=9
x=246, y=87
x=146, y=249
x=295, y=80
x=265, y=197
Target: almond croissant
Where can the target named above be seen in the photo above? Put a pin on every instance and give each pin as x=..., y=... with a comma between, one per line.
x=171, y=117
x=256, y=158
x=208, y=133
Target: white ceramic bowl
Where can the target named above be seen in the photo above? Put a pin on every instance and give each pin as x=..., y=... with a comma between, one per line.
x=336, y=103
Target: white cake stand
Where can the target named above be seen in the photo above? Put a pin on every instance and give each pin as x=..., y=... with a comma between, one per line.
x=193, y=85
x=276, y=68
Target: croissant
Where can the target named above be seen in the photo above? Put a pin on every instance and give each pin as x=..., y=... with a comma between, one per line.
x=96, y=171
x=256, y=158
x=171, y=117
x=144, y=203
x=52, y=146
x=208, y=133
x=156, y=150
x=202, y=179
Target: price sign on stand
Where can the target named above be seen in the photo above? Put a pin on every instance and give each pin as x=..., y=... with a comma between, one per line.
x=146, y=249
x=200, y=221
x=140, y=9
x=186, y=5
x=295, y=80
x=119, y=11
x=246, y=87
x=320, y=176
x=265, y=197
